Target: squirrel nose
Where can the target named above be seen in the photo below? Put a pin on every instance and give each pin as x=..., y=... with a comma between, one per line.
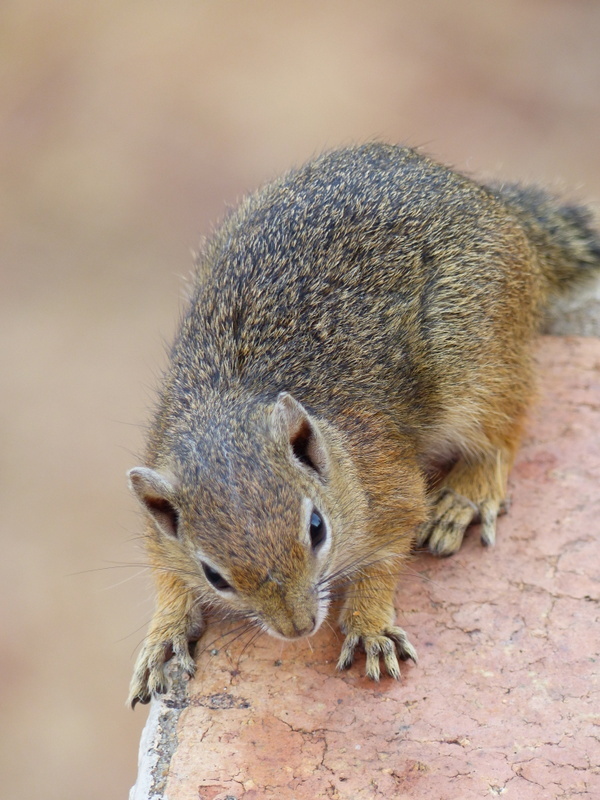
x=305, y=630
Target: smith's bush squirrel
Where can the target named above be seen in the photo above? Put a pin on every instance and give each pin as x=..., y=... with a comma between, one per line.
x=354, y=325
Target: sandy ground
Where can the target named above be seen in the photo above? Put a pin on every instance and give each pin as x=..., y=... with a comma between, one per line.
x=125, y=129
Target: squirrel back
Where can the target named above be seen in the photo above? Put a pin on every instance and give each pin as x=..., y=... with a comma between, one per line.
x=373, y=271
x=353, y=322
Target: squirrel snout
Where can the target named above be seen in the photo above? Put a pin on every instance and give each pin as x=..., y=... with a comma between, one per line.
x=305, y=630
x=294, y=627
x=296, y=630
x=289, y=610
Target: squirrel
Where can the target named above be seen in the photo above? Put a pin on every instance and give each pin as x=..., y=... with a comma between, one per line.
x=353, y=324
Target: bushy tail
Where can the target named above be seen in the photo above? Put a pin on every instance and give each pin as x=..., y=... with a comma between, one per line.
x=565, y=235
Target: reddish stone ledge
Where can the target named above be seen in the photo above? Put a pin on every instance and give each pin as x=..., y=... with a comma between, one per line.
x=504, y=701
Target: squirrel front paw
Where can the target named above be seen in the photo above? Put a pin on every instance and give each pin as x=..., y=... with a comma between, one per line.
x=390, y=643
x=149, y=675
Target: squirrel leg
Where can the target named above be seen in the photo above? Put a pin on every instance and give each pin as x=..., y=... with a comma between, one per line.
x=176, y=623
x=394, y=486
x=472, y=491
x=367, y=619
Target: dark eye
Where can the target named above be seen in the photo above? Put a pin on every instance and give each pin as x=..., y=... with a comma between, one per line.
x=318, y=531
x=215, y=578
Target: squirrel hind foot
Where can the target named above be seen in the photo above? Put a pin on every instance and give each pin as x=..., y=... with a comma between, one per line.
x=452, y=514
x=471, y=492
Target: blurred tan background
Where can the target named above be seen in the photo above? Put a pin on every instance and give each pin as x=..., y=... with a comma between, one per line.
x=125, y=129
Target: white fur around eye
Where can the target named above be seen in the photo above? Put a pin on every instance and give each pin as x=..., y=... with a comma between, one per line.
x=307, y=507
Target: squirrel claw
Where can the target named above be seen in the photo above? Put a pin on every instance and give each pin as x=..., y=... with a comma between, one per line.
x=391, y=644
x=347, y=653
x=150, y=678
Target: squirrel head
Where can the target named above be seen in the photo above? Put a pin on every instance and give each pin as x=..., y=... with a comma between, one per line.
x=251, y=515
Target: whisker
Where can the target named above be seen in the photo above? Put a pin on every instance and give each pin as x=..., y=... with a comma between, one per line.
x=348, y=564
x=331, y=628
x=131, y=565
x=125, y=580
x=236, y=633
x=257, y=634
x=139, y=628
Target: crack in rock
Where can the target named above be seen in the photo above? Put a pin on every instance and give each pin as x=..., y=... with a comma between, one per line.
x=216, y=702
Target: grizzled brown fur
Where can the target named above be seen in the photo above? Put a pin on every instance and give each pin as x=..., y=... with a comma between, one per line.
x=353, y=324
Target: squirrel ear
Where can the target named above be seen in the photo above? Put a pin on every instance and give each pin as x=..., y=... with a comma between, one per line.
x=306, y=440
x=155, y=493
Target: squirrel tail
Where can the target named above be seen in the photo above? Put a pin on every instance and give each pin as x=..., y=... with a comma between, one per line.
x=564, y=235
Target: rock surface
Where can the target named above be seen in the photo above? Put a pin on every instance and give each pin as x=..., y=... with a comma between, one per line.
x=504, y=701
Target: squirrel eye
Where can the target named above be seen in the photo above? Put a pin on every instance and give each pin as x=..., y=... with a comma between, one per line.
x=215, y=578
x=318, y=531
